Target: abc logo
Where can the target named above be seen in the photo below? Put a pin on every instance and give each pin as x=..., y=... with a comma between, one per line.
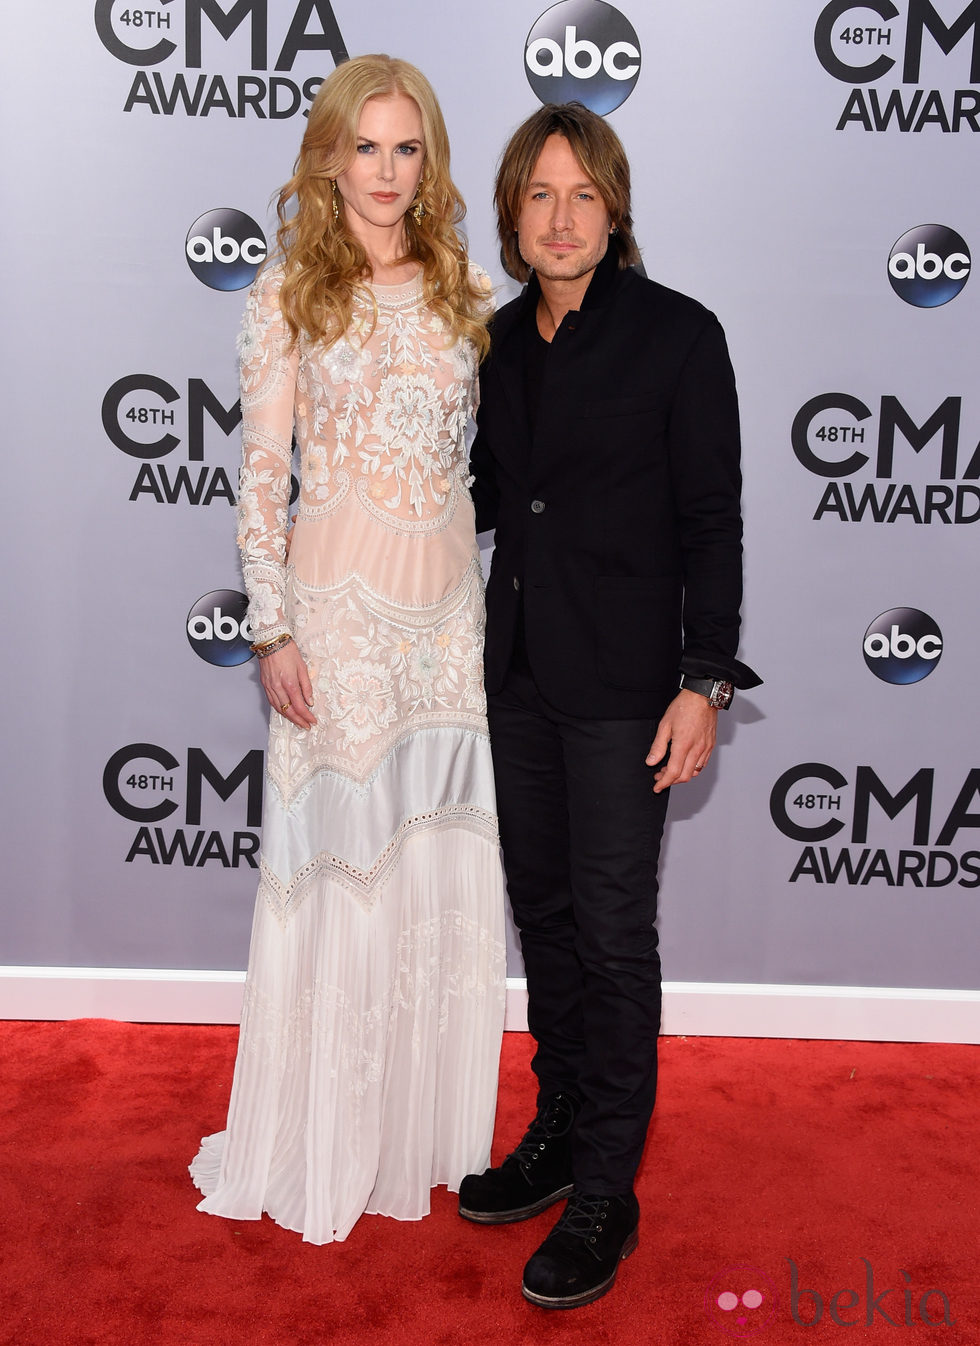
x=583, y=50
x=903, y=645
x=225, y=248
x=218, y=630
x=929, y=265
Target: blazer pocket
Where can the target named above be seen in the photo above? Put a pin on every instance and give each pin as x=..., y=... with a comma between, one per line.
x=638, y=631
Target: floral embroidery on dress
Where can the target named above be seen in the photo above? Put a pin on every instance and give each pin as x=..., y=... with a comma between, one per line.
x=360, y=698
x=264, y=604
x=389, y=402
x=380, y=419
x=382, y=672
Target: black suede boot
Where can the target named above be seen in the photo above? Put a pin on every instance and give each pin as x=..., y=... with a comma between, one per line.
x=579, y=1259
x=537, y=1174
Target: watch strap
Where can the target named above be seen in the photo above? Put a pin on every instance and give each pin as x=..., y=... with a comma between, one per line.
x=717, y=691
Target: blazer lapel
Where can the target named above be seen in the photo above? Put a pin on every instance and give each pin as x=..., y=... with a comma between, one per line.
x=507, y=360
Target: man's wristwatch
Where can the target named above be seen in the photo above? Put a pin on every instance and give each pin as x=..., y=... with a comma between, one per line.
x=718, y=692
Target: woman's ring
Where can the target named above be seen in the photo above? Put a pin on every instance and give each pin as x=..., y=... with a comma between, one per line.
x=284, y=706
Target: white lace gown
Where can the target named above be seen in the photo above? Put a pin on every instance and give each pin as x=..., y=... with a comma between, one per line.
x=367, y=1059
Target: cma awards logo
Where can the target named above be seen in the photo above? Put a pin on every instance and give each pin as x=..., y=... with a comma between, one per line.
x=148, y=784
x=901, y=833
x=225, y=248
x=583, y=50
x=902, y=646
x=835, y=437
x=218, y=629
x=252, y=35
x=878, y=43
x=148, y=418
x=929, y=265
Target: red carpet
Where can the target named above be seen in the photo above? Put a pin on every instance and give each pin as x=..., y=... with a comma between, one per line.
x=819, y=1153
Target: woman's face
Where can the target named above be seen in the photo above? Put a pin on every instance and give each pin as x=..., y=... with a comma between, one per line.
x=378, y=185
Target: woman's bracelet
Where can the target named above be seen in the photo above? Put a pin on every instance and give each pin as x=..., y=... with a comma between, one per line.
x=264, y=648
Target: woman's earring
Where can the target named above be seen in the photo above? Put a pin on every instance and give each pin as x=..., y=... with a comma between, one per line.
x=336, y=208
x=418, y=209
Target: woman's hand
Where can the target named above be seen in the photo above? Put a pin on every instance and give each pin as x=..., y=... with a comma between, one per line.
x=286, y=680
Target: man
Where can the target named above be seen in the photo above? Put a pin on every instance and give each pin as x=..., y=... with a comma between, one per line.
x=607, y=459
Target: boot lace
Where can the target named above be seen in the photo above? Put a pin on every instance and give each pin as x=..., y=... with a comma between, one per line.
x=583, y=1216
x=553, y=1120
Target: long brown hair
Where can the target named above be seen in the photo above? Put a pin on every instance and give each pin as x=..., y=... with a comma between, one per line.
x=598, y=149
x=325, y=267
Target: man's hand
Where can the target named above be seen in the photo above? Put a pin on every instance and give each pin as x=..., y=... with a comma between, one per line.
x=688, y=729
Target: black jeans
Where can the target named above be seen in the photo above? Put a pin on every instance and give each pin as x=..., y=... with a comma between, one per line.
x=581, y=831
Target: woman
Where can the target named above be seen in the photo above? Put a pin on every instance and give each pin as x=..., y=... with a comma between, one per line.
x=366, y=1068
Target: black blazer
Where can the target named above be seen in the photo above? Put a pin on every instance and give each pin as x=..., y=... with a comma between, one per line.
x=617, y=522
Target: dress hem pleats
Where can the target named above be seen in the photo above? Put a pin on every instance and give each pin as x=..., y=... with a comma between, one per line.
x=367, y=1061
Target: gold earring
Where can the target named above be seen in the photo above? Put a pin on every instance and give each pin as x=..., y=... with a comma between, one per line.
x=418, y=209
x=336, y=208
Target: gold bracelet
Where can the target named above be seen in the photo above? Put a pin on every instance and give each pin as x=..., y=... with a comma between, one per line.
x=274, y=648
x=266, y=647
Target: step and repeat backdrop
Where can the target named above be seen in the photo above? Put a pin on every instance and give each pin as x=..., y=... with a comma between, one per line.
x=807, y=170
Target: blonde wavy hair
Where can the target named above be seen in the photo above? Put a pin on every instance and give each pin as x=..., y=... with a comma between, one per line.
x=325, y=267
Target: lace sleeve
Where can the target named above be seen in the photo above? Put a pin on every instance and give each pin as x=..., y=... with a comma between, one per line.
x=268, y=383
x=485, y=285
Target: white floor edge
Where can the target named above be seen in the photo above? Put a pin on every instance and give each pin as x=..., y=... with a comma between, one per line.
x=853, y=1013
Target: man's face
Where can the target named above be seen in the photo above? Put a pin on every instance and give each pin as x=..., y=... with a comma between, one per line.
x=563, y=228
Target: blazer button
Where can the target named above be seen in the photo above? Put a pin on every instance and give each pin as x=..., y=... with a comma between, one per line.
x=517, y=583
x=537, y=506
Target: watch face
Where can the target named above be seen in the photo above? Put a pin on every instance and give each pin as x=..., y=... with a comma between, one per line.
x=721, y=695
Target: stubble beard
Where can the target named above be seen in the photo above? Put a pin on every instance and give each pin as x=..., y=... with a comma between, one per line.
x=572, y=267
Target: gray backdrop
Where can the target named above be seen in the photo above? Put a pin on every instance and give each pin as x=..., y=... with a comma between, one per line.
x=780, y=151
